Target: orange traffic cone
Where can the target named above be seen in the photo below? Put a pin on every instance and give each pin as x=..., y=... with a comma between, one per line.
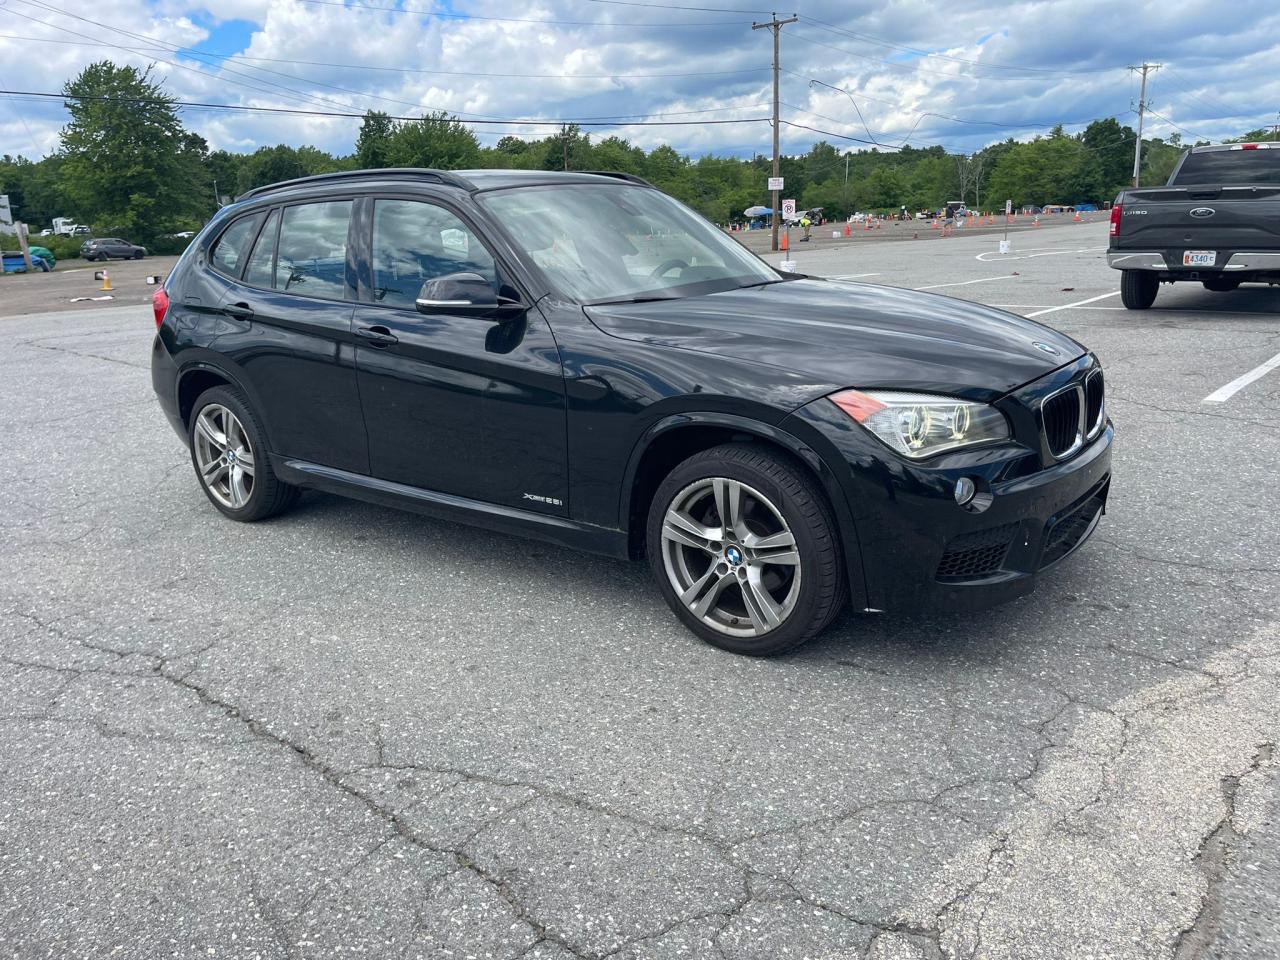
x=1035, y=221
x=106, y=281
x=848, y=230
x=934, y=225
x=784, y=245
x=1076, y=218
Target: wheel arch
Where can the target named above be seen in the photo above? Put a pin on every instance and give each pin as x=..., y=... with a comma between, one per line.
x=674, y=438
x=201, y=375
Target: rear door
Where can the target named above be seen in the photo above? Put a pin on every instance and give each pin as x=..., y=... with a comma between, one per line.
x=454, y=403
x=289, y=310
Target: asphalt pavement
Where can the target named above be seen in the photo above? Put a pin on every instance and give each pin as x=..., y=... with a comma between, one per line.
x=351, y=731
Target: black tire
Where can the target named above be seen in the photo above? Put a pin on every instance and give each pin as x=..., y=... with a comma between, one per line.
x=792, y=491
x=139, y=254
x=268, y=495
x=1138, y=288
x=1221, y=284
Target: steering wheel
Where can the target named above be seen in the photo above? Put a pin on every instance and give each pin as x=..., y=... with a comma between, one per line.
x=666, y=266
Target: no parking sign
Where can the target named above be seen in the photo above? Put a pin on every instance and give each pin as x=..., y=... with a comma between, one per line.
x=788, y=209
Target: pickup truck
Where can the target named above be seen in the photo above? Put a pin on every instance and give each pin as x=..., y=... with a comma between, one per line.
x=1216, y=222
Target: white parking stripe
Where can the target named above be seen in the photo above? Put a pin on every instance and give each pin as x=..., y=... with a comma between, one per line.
x=1225, y=393
x=962, y=283
x=1078, y=303
x=853, y=276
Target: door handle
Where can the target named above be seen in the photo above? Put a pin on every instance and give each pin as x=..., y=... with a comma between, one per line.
x=378, y=335
x=240, y=311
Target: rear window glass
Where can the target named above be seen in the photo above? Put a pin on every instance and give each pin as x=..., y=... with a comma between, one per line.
x=1229, y=168
x=312, y=257
x=229, y=252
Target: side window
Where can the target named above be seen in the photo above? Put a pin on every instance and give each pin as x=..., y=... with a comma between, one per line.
x=414, y=242
x=312, y=257
x=263, y=259
x=229, y=252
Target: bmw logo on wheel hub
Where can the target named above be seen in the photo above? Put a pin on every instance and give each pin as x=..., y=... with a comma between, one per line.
x=733, y=555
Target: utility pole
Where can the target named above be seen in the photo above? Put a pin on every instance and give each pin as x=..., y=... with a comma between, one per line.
x=844, y=194
x=1142, y=112
x=776, y=26
x=564, y=139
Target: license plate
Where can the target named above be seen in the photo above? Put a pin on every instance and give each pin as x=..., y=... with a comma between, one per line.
x=1199, y=258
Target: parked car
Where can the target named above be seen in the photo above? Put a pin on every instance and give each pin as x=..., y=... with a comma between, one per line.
x=489, y=346
x=107, y=248
x=1216, y=222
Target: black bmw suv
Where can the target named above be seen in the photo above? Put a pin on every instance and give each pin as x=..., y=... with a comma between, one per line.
x=579, y=357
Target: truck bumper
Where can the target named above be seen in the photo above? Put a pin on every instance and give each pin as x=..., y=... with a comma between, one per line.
x=1121, y=260
x=1244, y=261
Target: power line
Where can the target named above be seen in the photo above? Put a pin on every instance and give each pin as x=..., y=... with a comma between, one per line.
x=360, y=116
x=440, y=15
x=866, y=38
x=370, y=67
x=678, y=6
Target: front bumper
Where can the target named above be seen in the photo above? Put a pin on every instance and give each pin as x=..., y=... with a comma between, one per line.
x=919, y=549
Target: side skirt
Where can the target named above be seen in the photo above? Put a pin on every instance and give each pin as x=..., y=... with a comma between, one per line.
x=447, y=506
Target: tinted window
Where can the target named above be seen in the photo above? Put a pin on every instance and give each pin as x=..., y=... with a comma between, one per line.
x=1227, y=168
x=414, y=242
x=264, y=254
x=312, y=249
x=228, y=252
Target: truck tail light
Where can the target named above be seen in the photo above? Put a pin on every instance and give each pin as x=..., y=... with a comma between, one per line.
x=159, y=305
x=1115, y=220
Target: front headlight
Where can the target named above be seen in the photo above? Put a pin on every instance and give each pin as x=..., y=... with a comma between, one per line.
x=919, y=425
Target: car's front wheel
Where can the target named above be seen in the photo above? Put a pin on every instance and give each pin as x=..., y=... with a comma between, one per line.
x=745, y=550
x=1138, y=289
x=229, y=453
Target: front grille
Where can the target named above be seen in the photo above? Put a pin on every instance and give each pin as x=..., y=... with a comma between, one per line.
x=1066, y=533
x=1093, y=393
x=976, y=554
x=1061, y=416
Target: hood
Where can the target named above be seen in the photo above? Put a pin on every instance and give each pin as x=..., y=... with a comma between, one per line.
x=854, y=335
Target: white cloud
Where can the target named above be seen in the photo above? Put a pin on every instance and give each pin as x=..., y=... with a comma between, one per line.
x=1218, y=79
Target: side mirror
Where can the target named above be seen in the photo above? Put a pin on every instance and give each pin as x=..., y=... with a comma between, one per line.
x=467, y=293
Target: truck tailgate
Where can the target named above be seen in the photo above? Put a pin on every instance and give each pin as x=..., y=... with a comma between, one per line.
x=1200, y=218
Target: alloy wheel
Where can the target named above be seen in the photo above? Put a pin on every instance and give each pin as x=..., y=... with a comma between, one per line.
x=224, y=456
x=731, y=557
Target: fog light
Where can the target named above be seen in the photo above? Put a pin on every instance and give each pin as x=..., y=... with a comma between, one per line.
x=964, y=490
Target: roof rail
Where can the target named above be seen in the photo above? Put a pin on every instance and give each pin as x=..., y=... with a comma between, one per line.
x=421, y=173
x=617, y=175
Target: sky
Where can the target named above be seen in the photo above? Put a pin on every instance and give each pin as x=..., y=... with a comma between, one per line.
x=962, y=74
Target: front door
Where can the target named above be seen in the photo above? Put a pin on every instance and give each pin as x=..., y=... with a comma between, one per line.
x=457, y=404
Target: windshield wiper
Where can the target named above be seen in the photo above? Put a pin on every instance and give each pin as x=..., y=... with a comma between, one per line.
x=762, y=283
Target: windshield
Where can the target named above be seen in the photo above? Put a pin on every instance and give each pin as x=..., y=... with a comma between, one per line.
x=600, y=243
x=1229, y=168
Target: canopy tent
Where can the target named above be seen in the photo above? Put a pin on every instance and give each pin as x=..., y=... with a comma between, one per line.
x=757, y=211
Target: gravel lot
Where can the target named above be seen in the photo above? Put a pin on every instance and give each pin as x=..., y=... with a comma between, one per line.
x=356, y=732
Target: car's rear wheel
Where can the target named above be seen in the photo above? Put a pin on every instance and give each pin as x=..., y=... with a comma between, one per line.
x=229, y=453
x=1138, y=289
x=745, y=550
x=1221, y=284
x=137, y=254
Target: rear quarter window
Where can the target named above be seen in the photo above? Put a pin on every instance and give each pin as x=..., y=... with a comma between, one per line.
x=231, y=249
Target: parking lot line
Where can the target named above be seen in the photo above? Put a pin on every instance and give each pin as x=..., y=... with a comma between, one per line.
x=1078, y=303
x=962, y=283
x=853, y=276
x=1227, y=391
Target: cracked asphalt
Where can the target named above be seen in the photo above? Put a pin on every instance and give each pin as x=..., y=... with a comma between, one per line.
x=356, y=732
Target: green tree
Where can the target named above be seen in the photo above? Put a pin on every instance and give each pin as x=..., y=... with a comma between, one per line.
x=373, y=144
x=123, y=152
x=437, y=140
